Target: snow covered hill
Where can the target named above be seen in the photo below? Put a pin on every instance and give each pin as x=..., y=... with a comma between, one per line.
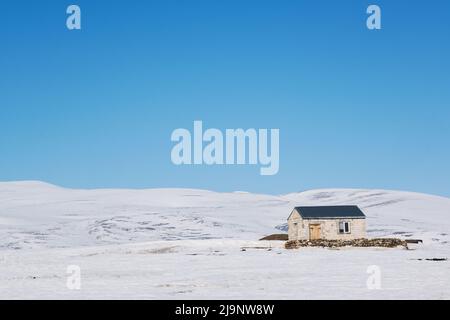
x=39, y=215
x=183, y=243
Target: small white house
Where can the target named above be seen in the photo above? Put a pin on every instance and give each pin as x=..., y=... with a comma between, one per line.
x=327, y=222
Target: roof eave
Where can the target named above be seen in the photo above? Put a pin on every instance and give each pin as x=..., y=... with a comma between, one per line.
x=328, y=218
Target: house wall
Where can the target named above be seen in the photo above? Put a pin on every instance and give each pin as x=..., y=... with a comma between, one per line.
x=298, y=228
x=295, y=226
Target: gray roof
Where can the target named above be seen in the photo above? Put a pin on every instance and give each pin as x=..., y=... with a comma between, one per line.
x=330, y=212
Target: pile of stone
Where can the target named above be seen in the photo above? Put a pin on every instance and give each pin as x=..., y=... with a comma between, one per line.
x=384, y=242
x=277, y=237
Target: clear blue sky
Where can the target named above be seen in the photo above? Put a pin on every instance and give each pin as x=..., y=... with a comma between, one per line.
x=355, y=108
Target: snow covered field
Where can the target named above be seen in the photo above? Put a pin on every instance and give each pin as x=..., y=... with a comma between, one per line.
x=186, y=244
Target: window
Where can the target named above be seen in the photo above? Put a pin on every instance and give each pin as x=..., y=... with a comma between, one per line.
x=344, y=227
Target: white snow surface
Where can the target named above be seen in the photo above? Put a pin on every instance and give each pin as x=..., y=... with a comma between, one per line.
x=187, y=244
